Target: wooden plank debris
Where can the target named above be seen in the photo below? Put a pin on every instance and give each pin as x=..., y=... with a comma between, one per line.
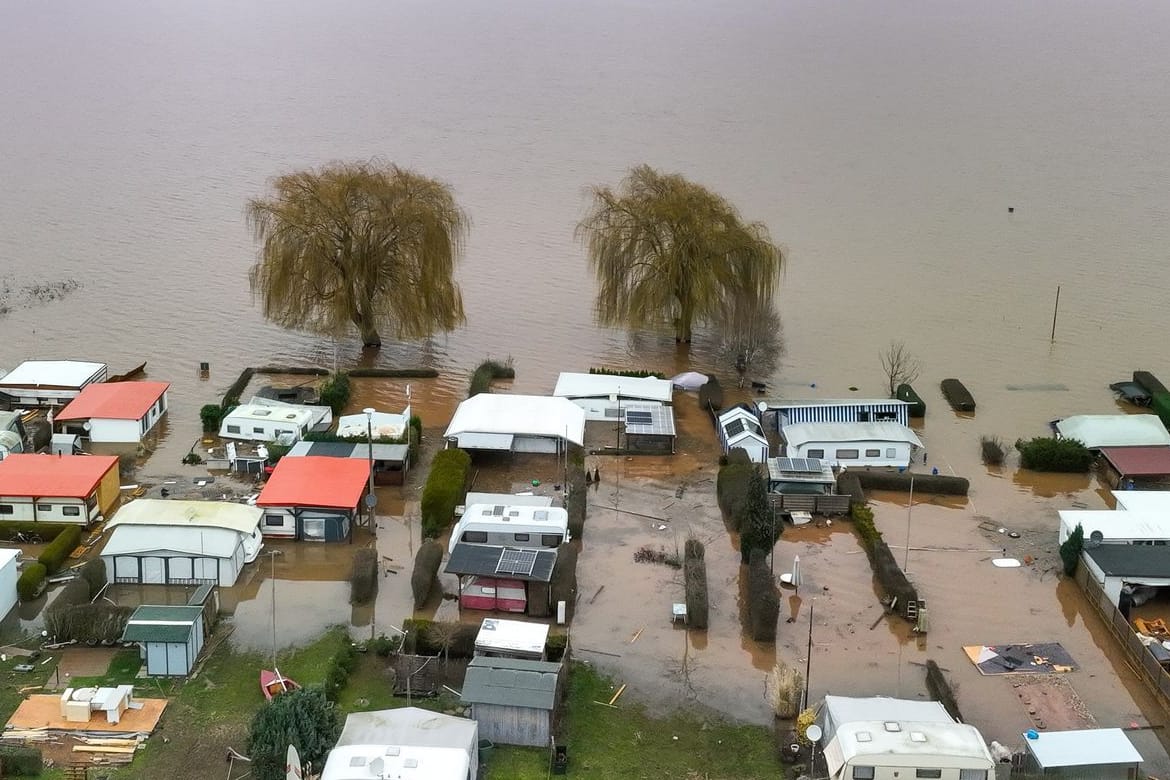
x=620, y=691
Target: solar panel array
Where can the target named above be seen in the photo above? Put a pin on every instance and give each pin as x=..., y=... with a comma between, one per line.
x=516, y=562
x=800, y=465
x=657, y=421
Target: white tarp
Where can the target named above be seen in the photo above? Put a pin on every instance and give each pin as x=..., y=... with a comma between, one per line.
x=1113, y=430
x=518, y=415
x=689, y=380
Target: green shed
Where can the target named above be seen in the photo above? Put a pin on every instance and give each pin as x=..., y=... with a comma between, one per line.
x=170, y=638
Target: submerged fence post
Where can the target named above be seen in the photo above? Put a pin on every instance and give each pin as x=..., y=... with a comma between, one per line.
x=1055, y=309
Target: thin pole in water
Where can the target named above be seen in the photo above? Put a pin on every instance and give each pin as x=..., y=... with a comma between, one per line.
x=1055, y=309
x=909, y=514
x=808, y=661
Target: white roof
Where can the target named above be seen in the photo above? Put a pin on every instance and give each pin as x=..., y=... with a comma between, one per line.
x=1116, y=525
x=1143, y=500
x=520, y=415
x=401, y=762
x=507, y=499
x=736, y=413
x=843, y=709
x=517, y=513
x=410, y=726
x=1114, y=430
x=267, y=409
x=601, y=386
x=791, y=404
x=1084, y=747
x=908, y=743
x=59, y=373
x=189, y=514
x=803, y=433
x=206, y=542
x=512, y=635
x=385, y=424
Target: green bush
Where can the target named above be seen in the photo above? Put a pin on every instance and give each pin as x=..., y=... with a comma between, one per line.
x=711, y=394
x=32, y=581
x=211, y=415
x=923, y=483
x=695, y=583
x=305, y=718
x=757, y=524
x=337, y=673
x=384, y=646
x=426, y=569
x=1071, y=549
x=957, y=395
x=863, y=521
x=731, y=485
x=363, y=578
x=486, y=372
x=849, y=485
x=1150, y=383
x=763, y=599
x=422, y=636
x=556, y=646
x=444, y=489
x=73, y=594
x=94, y=575
x=1160, y=405
x=20, y=761
x=1050, y=454
x=917, y=405
x=576, y=498
x=634, y=373
x=415, y=442
x=335, y=392
x=992, y=450
x=54, y=555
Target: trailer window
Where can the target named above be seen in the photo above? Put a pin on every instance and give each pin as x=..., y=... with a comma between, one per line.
x=475, y=537
x=550, y=540
x=818, y=454
x=257, y=429
x=273, y=521
x=6, y=509
x=928, y=773
x=233, y=429
x=44, y=507
x=873, y=453
x=863, y=773
x=972, y=774
x=847, y=454
x=891, y=452
x=520, y=537
x=71, y=511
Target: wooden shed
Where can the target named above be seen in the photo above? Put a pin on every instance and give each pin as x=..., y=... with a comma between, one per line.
x=513, y=700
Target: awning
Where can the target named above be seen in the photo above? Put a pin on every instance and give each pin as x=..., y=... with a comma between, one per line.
x=834, y=761
x=510, y=563
x=484, y=441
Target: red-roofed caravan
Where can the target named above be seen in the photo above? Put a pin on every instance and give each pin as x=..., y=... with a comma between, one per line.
x=58, y=488
x=115, y=412
x=314, y=498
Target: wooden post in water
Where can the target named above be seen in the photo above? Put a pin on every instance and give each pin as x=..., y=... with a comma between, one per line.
x=1055, y=309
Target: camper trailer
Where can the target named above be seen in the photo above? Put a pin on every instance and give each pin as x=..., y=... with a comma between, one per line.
x=263, y=419
x=525, y=527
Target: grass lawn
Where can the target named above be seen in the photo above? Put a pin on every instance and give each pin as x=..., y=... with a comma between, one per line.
x=123, y=671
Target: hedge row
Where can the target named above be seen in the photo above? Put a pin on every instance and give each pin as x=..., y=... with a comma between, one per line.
x=917, y=405
x=763, y=599
x=426, y=570
x=849, y=485
x=75, y=616
x=1059, y=455
x=564, y=578
x=422, y=636
x=732, y=485
x=941, y=691
x=31, y=583
x=445, y=488
x=232, y=397
x=711, y=394
x=862, y=517
x=1150, y=383
x=47, y=531
x=695, y=577
x=486, y=372
x=1160, y=405
x=633, y=373
x=923, y=483
x=576, y=499
x=54, y=555
x=957, y=395
x=363, y=578
x=20, y=761
x=335, y=392
x=885, y=567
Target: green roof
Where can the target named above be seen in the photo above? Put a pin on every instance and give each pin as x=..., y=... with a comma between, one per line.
x=161, y=624
x=511, y=682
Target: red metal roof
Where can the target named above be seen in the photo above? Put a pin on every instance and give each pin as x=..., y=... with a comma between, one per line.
x=114, y=401
x=53, y=476
x=1139, y=461
x=334, y=483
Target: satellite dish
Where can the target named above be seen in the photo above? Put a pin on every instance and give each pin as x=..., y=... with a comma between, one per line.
x=292, y=765
x=87, y=425
x=813, y=733
x=1095, y=539
x=762, y=406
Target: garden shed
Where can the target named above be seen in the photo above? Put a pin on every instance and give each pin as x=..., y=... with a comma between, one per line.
x=75, y=489
x=115, y=412
x=170, y=638
x=649, y=429
x=1145, y=466
x=1084, y=754
x=516, y=423
x=314, y=498
x=48, y=382
x=739, y=427
x=513, y=700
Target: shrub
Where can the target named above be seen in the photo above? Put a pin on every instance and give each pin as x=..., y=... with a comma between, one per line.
x=1049, y=454
x=421, y=635
x=957, y=395
x=444, y=489
x=94, y=575
x=763, y=599
x=58, y=550
x=1160, y=405
x=363, y=579
x=757, y=524
x=384, y=646
x=992, y=449
x=848, y=484
x=731, y=486
x=862, y=517
x=426, y=569
x=231, y=399
x=556, y=646
x=32, y=581
x=335, y=392
x=917, y=405
x=341, y=665
x=89, y=623
x=576, y=499
x=695, y=579
x=923, y=483
x=20, y=761
x=941, y=691
x=785, y=690
x=211, y=415
x=564, y=578
x=485, y=372
x=75, y=593
x=1070, y=550
x=635, y=373
x=305, y=718
x=47, y=531
x=415, y=442
x=711, y=394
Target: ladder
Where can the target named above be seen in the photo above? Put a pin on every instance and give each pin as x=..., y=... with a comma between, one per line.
x=912, y=610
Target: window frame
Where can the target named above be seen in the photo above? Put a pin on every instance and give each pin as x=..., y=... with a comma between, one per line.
x=845, y=454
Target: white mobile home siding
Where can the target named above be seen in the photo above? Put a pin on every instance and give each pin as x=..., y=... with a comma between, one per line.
x=8, y=576
x=854, y=453
x=860, y=412
x=164, y=568
x=110, y=431
x=50, y=510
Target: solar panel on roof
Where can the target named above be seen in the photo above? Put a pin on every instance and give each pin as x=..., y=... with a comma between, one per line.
x=516, y=562
x=639, y=418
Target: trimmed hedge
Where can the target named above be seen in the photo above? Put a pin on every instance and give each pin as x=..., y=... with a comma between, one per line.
x=957, y=395
x=1160, y=405
x=941, y=691
x=20, y=761
x=335, y=392
x=54, y=555
x=426, y=570
x=486, y=372
x=94, y=574
x=758, y=529
x=862, y=517
x=1067, y=456
x=923, y=483
x=917, y=405
x=695, y=577
x=731, y=486
x=445, y=488
x=634, y=373
x=577, y=497
x=564, y=578
x=231, y=398
x=47, y=531
x=363, y=579
x=848, y=484
x=1150, y=383
x=885, y=567
x=32, y=581
x=763, y=599
x=211, y=415
x=711, y=394
x=415, y=443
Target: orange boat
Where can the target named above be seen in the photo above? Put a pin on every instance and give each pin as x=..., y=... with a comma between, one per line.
x=274, y=684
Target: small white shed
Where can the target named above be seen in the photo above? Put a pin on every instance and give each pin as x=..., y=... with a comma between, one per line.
x=1100, y=754
x=739, y=427
x=48, y=382
x=8, y=576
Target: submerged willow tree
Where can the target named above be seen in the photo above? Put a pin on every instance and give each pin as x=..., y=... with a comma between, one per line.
x=359, y=245
x=667, y=251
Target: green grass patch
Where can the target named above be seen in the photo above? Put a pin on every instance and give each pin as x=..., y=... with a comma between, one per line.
x=123, y=670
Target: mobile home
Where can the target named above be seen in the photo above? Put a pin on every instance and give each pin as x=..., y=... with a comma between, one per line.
x=838, y=410
x=76, y=489
x=115, y=412
x=511, y=526
x=852, y=444
x=48, y=382
x=262, y=419
x=604, y=397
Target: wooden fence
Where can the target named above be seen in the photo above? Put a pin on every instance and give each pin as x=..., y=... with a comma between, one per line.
x=1143, y=661
x=816, y=504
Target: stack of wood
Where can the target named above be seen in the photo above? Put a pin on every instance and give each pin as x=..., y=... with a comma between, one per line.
x=29, y=735
x=114, y=750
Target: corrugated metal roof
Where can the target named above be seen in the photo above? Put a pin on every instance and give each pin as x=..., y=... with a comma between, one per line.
x=1082, y=747
x=151, y=623
x=802, y=433
x=511, y=683
x=571, y=385
x=1139, y=461
x=54, y=373
x=179, y=540
x=1114, y=430
x=333, y=483
x=114, y=401
x=53, y=476
x=343, y=449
